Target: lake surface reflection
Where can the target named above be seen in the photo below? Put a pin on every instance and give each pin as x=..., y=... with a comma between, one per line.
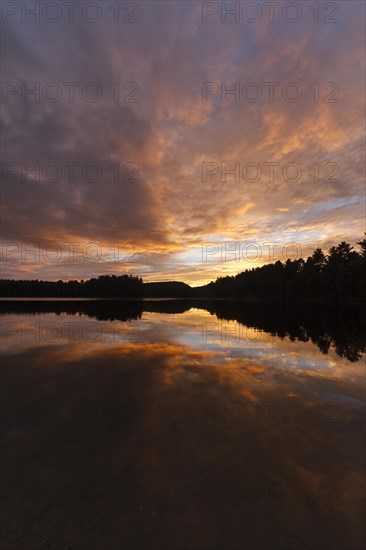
x=181, y=424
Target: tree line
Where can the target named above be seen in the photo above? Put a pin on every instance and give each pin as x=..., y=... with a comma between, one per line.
x=337, y=276
x=106, y=286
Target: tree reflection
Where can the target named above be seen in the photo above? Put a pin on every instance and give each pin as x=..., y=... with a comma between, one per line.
x=343, y=330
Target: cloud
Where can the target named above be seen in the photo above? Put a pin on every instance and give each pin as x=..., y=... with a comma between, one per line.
x=169, y=132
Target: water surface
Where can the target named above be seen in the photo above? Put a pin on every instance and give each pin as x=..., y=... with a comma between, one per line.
x=178, y=424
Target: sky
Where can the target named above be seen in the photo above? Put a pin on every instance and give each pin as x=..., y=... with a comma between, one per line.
x=177, y=141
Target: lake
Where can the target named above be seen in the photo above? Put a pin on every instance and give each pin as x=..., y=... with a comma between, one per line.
x=181, y=424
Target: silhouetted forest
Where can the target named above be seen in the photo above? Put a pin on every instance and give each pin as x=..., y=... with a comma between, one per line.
x=106, y=286
x=336, y=277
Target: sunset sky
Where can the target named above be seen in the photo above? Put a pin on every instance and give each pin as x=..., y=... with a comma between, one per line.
x=177, y=217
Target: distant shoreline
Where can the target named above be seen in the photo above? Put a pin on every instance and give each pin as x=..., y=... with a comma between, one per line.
x=336, y=277
x=277, y=301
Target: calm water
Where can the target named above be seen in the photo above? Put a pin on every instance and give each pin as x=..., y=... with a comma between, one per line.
x=181, y=425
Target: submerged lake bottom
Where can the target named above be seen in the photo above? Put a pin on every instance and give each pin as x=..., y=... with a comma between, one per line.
x=181, y=424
